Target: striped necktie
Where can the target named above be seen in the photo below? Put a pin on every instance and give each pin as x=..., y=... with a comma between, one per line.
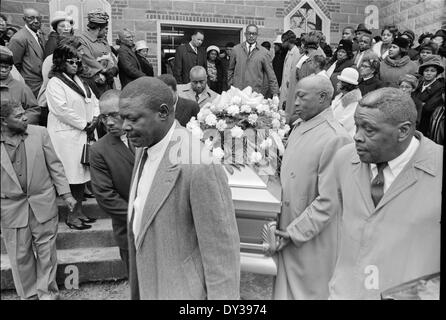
x=377, y=186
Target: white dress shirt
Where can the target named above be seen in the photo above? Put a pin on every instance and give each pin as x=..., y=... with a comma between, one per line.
x=193, y=48
x=125, y=140
x=396, y=165
x=155, y=154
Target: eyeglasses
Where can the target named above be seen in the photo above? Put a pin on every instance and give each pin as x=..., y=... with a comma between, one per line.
x=113, y=115
x=32, y=18
x=73, y=61
x=251, y=33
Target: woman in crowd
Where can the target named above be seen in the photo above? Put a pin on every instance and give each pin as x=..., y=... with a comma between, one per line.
x=345, y=103
x=142, y=53
x=342, y=58
x=214, y=69
x=3, y=24
x=318, y=64
x=408, y=83
x=388, y=34
x=439, y=39
x=305, y=65
x=410, y=35
x=368, y=70
x=430, y=91
x=427, y=50
x=62, y=25
x=73, y=112
x=397, y=63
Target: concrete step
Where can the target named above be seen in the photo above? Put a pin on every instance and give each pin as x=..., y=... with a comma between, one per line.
x=99, y=235
x=90, y=208
x=92, y=264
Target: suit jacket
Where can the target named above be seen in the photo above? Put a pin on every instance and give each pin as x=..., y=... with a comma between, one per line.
x=185, y=110
x=188, y=246
x=28, y=58
x=185, y=59
x=185, y=91
x=305, y=270
x=394, y=242
x=45, y=175
x=146, y=66
x=128, y=64
x=371, y=84
x=111, y=165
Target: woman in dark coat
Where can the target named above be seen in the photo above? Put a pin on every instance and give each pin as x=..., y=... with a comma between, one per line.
x=142, y=51
x=430, y=91
x=368, y=70
x=62, y=25
x=214, y=69
x=342, y=58
x=408, y=83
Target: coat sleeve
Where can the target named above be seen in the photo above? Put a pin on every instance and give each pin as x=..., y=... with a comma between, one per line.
x=217, y=232
x=272, y=80
x=232, y=63
x=328, y=202
x=90, y=65
x=103, y=188
x=18, y=47
x=178, y=65
x=54, y=165
x=58, y=105
x=29, y=103
x=435, y=98
x=127, y=65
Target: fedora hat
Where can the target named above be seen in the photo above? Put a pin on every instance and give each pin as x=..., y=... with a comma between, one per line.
x=141, y=44
x=362, y=28
x=432, y=61
x=349, y=75
x=60, y=16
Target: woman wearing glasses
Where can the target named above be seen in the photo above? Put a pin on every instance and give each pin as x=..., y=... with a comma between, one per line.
x=73, y=116
x=369, y=71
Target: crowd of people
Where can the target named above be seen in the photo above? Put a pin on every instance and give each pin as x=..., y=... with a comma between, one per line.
x=83, y=118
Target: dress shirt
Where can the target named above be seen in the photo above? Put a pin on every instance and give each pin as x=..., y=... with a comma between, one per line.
x=193, y=48
x=125, y=140
x=358, y=59
x=396, y=165
x=250, y=47
x=155, y=154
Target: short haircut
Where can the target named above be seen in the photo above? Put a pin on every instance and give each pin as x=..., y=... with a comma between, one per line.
x=195, y=31
x=151, y=91
x=251, y=25
x=349, y=28
x=196, y=69
x=396, y=106
x=7, y=107
x=365, y=35
x=373, y=59
x=320, y=61
x=169, y=80
x=289, y=36
x=110, y=95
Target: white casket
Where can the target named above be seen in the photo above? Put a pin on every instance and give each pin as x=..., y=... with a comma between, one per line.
x=256, y=204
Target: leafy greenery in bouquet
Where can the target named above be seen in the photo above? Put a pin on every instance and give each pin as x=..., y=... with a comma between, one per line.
x=241, y=127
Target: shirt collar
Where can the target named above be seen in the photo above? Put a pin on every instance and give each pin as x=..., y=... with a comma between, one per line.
x=7, y=81
x=35, y=34
x=193, y=48
x=157, y=150
x=8, y=140
x=327, y=114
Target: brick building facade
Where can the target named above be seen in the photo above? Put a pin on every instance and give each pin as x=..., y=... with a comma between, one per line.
x=144, y=17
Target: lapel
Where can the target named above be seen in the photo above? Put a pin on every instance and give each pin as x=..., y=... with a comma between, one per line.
x=7, y=165
x=189, y=48
x=120, y=147
x=34, y=44
x=361, y=173
x=138, y=155
x=165, y=179
x=133, y=55
x=30, y=147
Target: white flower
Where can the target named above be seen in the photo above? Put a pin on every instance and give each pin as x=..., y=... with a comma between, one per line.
x=245, y=109
x=216, y=109
x=276, y=124
x=275, y=101
x=236, y=100
x=276, y=115
x=233, y=110
x=201, y=116
x=252, y=119
x=211, y=120
x=281, y=133
x=286, y=128
x=192, y=123
x=196, y=131
x=262, y=108
x=218, y=153
x=237, y=132
x=208, y=143
x=267, y=143
x=221, y=125
x=255, y=157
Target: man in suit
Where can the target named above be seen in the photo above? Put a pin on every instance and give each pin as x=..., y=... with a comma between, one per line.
x=128, y=63
x=183, y=236
x=250, y=64
x=197, y=89
x=31, y=173
x=185, y=109
x=304, y=270
x=27, y=46
x=111, y=165
x=189, y=55
x=388, y=186
x=364, y=46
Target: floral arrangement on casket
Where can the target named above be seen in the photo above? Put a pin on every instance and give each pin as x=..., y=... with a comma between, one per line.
x=241, y=128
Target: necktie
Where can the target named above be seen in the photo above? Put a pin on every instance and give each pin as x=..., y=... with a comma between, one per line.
x=377, y=186
x=39, y=36
x=251, y=47
x=197, y=97
x=141, y=168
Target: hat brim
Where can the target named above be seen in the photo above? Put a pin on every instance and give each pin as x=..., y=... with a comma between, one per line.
x=347, y=80
x=440, y=68
x=56, y=21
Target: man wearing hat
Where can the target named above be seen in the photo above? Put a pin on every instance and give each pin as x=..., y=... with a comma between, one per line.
x=62, y=25
x=94, y=45
x=128, y=63
x=362, y=29
x=27, y=47
x=15, y=90
x=142, y=51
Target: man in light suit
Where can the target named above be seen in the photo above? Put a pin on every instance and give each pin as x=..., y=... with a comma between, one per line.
x=197, y=89
x=304, y=270
x=31, y=173
x=111, y=165
x=183, y=236
x=27, y=46
x=388, y=186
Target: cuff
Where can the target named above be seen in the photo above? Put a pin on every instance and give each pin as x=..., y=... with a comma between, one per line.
x=301, y=229
x=66, y=195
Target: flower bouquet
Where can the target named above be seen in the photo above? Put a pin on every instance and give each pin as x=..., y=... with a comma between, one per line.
x=241, y=128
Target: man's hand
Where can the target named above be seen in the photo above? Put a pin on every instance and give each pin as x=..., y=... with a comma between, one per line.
x=90, y=127
x=70, y=202
x=284, y=239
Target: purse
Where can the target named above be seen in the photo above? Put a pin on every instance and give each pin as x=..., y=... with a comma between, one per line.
x=85, y=158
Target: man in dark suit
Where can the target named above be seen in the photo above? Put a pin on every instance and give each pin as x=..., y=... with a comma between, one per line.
x=128, y=63
x=27, y=46
x=189, y=55
x=111, y=164
x=184, y=108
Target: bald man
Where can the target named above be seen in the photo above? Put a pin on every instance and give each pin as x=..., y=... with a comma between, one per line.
x=388, y=187
x=304, y=269
x=183, y=236
x=111, y=165
x=27, y=46
x=197, y=89
x=128, y=63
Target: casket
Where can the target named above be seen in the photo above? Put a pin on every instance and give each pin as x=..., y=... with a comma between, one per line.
x=256, y=203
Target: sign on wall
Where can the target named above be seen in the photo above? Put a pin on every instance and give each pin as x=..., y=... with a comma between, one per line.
x=371, y=20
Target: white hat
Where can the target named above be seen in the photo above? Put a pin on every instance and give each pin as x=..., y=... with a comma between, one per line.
x=141, y=44
x=278, y=39
x=349, y=75
x=213, y=48
x=60, y=16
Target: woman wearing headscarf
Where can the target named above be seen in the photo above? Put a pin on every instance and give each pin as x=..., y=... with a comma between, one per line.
x=397, y=63
x=342, y=58
x=214, y=69
x=62, y=25
x=388, y=34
